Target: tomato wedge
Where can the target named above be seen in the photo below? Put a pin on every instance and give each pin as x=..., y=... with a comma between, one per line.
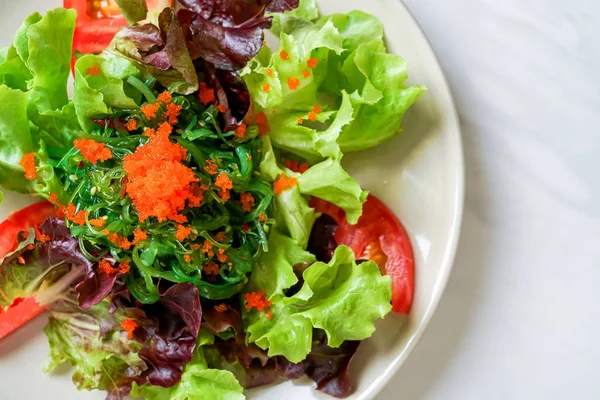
x=22, y=310
x=378, y=236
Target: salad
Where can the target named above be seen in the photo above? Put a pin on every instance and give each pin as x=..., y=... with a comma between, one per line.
x=198, y=234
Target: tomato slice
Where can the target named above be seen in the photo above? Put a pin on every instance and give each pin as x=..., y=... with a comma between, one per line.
x=378, y=236
x=22, y=310
x=99, y=21
x=21, y=221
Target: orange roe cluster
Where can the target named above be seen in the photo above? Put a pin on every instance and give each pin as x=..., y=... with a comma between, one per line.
x=172, y=113
x=221, y=108
x=129, y=326
x=266, y=88
x=106, y=268
x=43, y=238
x=257, y=300
x=240, y=131
x=293, y=165
x=187, y=258
x=293, y=83
x=159, y=184
x=206, y=95
x=165, y=97
x=312, y=63
x=182, y=232
x=92, y=150
x=211, y=167
x=315, y=112
x=221, y=256
x=212, y=268
x=131, y=125
x=247, y=201
x=207, y=249
x=306, y=73
x=97, y=222
x=270, y=72
x=138, y=236
x=119, y=241
x=221, y=236
x=150, y=110
x=220, y=308
x=284, y=55
x=28, y=164
x=284, y=183
x=77, y=217
x=224, y=183
x=93, y=70
x=263, y=123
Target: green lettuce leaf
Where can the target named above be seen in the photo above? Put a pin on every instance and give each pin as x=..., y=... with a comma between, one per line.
x=15, y=139
x=13, y=71
x=133, y=10
x=328, y=292
x=286, y=22
x=329, y=181
x=274, y=271
x=96, y=94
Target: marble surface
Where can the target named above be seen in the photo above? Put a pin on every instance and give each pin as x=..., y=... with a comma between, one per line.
x=519, y=319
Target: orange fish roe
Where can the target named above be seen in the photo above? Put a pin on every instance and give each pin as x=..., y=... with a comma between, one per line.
x=266, y=88
x=264, y=43
x=138, y=236
x=263, y=124
x=92, y=150
x=172, y=113
x=149, y=132
x=249, y=157
x=293, y=165
x=293, y=83
x=240, y=131
x=270, y=72
x=206, y=95
x=182, y=232
x=270, y=315
x=187, y=258
x=159, y=183
x=31, y=247
x=224, y=182
x=28, y=164
x=284, y=183
x=257, y=300
x=21, y=260
x=306, y=73
x=124, y=267
x=312, y=63
x=221, y=108
x=150, y=110
x=105, y=267
x=222, y=257
x=119, y=241
x=165, y=97
x=300, y=120
x=212, y=268
x=129, y=325
x=131, y=125
x=43, y=238
x=220, y=308
x=221, y=236
x=262, y=217
x=315, y=112
x=247, y=201
x=197, y=195
x=211, y=167
x=207, y=249
x=53, y=198
x=284, y=55
x=195, y=246
x=77, y=217
x=93, y=70
x=164, y=129
x=97, y=222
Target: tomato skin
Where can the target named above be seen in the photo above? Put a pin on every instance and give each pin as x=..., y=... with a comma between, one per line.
x=22, y=310
x=17, y=315
x=21, y=221
x=378, y=236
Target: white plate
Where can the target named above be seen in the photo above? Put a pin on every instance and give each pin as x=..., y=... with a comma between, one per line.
x=419, y=175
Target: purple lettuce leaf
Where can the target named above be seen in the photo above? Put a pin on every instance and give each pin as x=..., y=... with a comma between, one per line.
x=103, y=355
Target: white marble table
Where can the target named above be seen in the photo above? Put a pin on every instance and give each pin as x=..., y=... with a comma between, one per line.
x=520, y=318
